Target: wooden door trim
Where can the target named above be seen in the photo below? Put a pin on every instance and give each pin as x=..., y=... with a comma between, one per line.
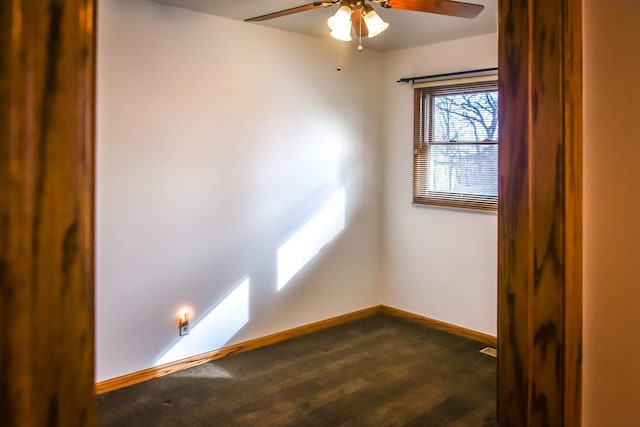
x=47, y=81
x=539, y=220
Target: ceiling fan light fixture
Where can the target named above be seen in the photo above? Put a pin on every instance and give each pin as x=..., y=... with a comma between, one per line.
x=374, y=23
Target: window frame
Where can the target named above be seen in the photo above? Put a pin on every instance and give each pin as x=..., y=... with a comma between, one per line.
x=423, y=142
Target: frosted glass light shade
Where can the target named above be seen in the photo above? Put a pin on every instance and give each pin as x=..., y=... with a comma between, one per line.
x=374, y=23
x=340, y=24
x=340, y=19
x=344, y=36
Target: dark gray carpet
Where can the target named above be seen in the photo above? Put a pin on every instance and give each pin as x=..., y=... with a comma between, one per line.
x=378, y=371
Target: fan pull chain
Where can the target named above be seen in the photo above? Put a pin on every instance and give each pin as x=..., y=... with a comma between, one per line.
x=360, y=34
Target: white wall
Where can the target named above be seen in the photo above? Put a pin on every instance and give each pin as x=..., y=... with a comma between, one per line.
x=217, y=141
x=440, y=263
x=611, y=393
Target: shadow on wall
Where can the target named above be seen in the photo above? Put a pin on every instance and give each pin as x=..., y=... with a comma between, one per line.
x=223, y=321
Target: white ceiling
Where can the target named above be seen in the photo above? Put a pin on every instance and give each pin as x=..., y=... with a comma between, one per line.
x=406, y=28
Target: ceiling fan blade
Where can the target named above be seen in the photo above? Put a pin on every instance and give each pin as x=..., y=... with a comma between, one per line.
x=291, y=11
x=442, y=7
x=358, y=24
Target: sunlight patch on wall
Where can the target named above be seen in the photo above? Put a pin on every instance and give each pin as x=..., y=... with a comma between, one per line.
x=309, y=240
x=214, y=329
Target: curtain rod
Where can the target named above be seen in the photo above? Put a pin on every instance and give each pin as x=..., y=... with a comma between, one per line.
x=470, y=73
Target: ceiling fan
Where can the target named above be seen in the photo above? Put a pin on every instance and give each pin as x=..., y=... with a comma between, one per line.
x=360, y=16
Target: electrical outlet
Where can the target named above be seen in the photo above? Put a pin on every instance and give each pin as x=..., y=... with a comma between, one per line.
x=184, y=329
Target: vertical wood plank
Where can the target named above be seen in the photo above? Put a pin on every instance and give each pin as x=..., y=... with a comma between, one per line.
x=514, y=338
x=573, y=125
x=47, y=80
x=539, y=223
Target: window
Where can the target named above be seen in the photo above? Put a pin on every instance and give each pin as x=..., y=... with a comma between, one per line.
x=456, y=144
